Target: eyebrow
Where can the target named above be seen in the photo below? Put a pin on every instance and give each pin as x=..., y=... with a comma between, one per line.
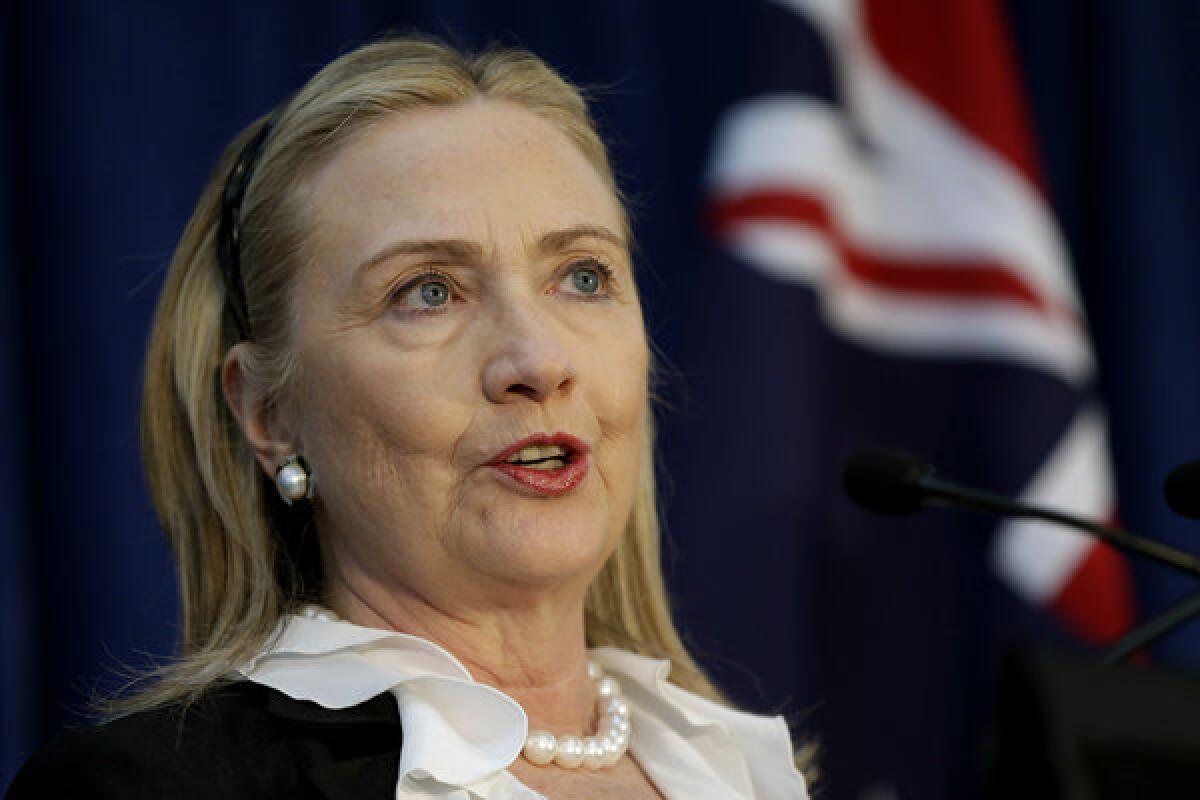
x=557, y=241
x=469, y=252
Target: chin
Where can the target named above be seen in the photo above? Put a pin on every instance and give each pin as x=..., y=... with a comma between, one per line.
x=545, y=549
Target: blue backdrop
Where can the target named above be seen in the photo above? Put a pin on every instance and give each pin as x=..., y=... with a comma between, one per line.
x=113, y=112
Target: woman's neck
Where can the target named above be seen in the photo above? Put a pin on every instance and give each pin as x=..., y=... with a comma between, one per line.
x=534, y=653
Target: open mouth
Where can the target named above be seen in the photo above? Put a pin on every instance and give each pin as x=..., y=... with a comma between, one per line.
x=544, y=463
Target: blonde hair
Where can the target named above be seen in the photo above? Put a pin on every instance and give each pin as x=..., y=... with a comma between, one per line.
x=238, y=572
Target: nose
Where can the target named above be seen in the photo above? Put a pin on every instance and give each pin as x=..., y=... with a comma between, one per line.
x=528, y=360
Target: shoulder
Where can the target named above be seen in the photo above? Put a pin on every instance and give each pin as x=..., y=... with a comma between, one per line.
x=237, y=740
x=162, y=752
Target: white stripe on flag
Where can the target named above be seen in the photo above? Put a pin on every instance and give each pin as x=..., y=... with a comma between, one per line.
x=924, y=191
x=904, y=323
x=1038, y=558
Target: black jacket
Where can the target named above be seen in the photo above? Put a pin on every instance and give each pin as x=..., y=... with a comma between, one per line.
x=242, y=740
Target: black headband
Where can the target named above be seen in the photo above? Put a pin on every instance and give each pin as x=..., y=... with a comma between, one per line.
x=229, y=233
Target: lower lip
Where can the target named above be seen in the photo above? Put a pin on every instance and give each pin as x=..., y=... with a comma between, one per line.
x=549, y=482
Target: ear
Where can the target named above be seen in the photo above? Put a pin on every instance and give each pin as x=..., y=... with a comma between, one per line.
x=260, y=420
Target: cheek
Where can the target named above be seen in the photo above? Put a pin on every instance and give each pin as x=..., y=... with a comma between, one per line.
x=380, y=427
x=616, y=377
x=617, y=368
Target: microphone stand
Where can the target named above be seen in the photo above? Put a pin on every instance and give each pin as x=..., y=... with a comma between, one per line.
x=1152, y=629
x=946, y=494
x=906, y=473
x=952, y=495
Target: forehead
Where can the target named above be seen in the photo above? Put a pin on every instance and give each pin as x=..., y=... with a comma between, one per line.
x=484, y=170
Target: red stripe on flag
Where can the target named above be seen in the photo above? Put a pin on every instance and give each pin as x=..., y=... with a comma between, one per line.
x=1097, y=601
x=937, y=278
x=957, y=53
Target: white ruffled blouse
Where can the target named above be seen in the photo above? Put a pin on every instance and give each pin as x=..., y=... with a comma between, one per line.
x=460, y=736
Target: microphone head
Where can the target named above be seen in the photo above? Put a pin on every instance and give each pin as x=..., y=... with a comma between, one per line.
x=885, y=481
x=1182, y=489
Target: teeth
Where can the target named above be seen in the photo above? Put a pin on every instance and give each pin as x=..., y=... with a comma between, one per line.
x=537, y=452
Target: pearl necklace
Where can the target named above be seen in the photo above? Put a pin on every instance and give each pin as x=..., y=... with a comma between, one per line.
x=603, y=749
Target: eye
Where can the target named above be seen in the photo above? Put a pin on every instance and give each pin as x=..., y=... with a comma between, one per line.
x=428, y=292
x=589, y=278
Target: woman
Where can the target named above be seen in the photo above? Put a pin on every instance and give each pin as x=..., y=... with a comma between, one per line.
x=396, y=426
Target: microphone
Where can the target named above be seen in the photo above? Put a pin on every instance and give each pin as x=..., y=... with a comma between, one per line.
x=1182, y=490
x=887, y=481
x=894, y=482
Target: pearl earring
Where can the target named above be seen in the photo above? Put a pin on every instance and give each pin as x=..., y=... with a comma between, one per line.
x=294, y=479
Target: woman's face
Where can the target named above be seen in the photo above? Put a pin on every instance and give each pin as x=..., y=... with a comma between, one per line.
x=458, y=300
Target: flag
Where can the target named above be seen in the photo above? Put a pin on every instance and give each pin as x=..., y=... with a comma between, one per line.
x=884, y=166
x=915, y=210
